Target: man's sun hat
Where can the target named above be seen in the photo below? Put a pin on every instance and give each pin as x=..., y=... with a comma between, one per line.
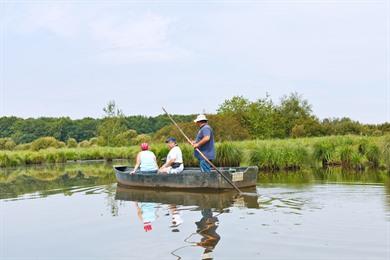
x=200, y=118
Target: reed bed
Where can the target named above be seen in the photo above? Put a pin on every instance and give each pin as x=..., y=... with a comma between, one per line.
x=349, y=152
x=62, y=155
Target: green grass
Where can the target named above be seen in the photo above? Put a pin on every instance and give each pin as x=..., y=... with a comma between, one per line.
x=350, y=152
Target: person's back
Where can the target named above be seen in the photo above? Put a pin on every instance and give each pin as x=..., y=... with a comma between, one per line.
x=204, y=142
x=148, y=161
x=208, y=148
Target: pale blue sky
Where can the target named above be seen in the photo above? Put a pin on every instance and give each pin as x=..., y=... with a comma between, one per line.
x=61, y=58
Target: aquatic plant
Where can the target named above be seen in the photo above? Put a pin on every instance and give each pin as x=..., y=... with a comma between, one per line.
x=346, y=153
x=282, y=156
x=161, y=152
x=189, y=159
x=386, y=152
x=228, y=155
x=373, y=155
x=324, y=152
x=352, y=151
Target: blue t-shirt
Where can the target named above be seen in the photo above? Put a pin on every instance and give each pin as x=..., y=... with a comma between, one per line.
x=208, y=148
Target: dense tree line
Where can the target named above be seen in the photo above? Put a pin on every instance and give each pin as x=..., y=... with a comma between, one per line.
x=292, y=117
x=27, y=130
x=237, y=118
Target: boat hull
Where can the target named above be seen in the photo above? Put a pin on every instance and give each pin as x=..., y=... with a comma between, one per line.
x=202, y=200
x=188, y=179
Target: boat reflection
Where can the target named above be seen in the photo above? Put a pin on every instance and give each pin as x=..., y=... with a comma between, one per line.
x=210, y=205
x=200, y=200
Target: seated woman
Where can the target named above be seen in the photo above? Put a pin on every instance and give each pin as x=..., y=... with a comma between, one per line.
x=174, y=162
x=146, y=161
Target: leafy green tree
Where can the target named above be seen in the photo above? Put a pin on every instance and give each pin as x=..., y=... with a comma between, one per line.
x=293, y=110
x=111, y=126
x=298, y=131
x=257, y=117
x=125, y=138
x=142, y=138
x=225, y=128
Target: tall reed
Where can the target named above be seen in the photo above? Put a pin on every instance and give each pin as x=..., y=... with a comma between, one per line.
x=228, y=155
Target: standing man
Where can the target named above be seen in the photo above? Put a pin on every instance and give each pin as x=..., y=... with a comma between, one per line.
x=204, y=142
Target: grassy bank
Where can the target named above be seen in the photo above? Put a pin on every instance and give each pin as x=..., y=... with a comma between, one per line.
x=350, y=152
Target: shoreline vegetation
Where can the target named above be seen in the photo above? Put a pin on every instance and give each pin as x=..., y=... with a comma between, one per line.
x=348, y=152
x=274, y=136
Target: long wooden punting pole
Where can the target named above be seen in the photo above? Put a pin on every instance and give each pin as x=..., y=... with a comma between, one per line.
x=201, y=154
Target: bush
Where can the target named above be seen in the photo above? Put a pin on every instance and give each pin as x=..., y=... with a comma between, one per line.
x=7, y=144
x=21, y=147
x=46, y=142
x=84, y=144
x=142, y=138
x=125, y=138
x=93, y=141
x=71, y=143
x=298, y=131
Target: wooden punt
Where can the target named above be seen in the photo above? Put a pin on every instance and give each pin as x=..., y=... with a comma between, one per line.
x=189, y=179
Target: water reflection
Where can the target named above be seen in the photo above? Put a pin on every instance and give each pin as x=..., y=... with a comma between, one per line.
x=54, y=179
x=147, y=213
x=207, y=227
x=305, y=207
x=176, y=218
x=210, y=206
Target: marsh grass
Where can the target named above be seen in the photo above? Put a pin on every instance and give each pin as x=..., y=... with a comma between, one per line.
x=62, y=155
x=280, y=157
x=373, y=155
x=353, y=152
x=228, y=155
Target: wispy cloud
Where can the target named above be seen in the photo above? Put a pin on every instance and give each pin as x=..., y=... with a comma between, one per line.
x=114, y=36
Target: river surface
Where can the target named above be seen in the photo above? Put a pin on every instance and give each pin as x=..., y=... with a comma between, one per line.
x=76, y=211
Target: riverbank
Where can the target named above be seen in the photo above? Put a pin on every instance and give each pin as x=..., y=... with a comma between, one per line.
x=351, y=152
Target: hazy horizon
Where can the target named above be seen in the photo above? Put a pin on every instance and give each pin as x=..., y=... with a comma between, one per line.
x=70, y=58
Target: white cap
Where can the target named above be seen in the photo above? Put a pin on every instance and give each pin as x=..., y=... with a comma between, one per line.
x=200, y=118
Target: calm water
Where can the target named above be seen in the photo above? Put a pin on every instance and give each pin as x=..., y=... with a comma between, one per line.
x=77, y=212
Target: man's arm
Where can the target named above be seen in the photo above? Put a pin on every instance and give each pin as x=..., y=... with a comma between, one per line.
x=204, y=140
x=169, y=163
